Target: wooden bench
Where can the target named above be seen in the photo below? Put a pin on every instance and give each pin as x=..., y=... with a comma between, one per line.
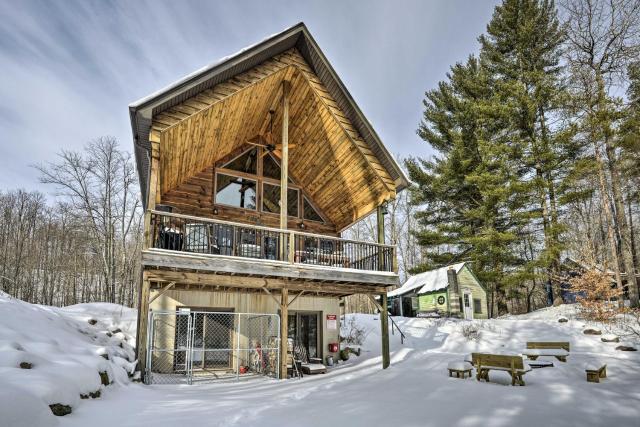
x=514, y=365
x=595, y=371
x=558, y=349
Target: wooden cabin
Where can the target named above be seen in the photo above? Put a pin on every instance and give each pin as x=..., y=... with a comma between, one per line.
x=450, y=291
x=219, y=153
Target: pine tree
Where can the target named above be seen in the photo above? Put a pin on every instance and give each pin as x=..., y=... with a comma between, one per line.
x=504, y=152
x=475, y=203
x=522, y=49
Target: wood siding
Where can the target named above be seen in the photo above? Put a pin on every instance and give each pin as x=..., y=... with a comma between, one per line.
x=466, y=280
x=331, y=161
x=429, y=302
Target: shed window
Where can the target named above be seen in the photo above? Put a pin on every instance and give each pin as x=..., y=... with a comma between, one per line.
x=235, y=191
x=477, y=306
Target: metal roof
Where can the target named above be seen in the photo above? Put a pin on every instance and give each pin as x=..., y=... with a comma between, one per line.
x=141, y=112
x=428, y=281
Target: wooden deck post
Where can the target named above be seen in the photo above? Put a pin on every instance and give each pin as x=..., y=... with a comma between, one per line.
x=145, y=286
x=284, y=166
x=143, y=323
x=384, y=331
x=284, y=327
x=380, y=224
x=284, y=163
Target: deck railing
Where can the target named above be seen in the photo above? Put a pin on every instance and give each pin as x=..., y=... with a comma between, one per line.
x=187, y=233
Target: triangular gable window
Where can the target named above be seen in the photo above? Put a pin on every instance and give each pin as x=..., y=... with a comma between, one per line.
x=309, y=212
x=271, y=168
x=245, y=162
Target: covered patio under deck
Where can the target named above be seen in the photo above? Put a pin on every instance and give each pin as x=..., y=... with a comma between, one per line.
x=282, y=293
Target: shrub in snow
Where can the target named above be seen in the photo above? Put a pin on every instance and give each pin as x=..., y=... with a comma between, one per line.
x=473, y=330
x=563, y=320
x=598, y=300
x=344, y=354
x=629, y=322
x=626, y=348
x=25, y=365
x=592, y=331
x=352, y=333
x=470, y=331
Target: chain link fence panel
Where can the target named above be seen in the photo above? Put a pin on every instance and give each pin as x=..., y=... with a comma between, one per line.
x=188, y=346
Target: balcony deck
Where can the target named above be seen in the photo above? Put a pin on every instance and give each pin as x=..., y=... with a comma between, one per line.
x=188, y=243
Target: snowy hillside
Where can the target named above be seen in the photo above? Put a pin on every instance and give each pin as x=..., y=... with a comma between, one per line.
x=55, y=356
x=414, y=391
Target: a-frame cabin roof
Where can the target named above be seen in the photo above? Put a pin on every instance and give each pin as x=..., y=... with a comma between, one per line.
x=148, y=113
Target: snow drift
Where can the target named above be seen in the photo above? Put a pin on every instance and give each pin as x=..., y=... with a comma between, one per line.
x=52, y=355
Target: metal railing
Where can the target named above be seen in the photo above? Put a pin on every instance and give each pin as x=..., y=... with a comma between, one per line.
x=193, y=346
x=394, y=325
x=187, y=233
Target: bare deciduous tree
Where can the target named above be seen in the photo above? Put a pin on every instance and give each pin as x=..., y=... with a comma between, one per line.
x=604, y=39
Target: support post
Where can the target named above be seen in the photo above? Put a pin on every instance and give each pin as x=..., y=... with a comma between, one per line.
x=284, y=168
x=143, y=324
x=284, y=326
x=380, y=223
x=153, y=197
x=384, y=332
x=284, y=162
x=238, y=349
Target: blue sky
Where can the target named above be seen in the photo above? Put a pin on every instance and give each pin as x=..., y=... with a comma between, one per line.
x=70, y=68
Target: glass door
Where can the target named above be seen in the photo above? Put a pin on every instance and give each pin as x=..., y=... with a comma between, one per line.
x=303, y=330
x=309, y=333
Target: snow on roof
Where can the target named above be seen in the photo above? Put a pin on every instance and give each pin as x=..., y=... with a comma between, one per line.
x=428, y=281
x=200, y=71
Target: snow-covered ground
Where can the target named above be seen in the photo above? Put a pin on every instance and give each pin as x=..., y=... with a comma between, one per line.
x=414, y=391
x=62, y=352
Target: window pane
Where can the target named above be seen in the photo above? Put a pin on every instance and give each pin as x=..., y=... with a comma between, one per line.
x=246, y=162
x=235, y=191
x=477, y=306
x=271, y=199
x=310, y=213
x=270, y=168
x=292, y=202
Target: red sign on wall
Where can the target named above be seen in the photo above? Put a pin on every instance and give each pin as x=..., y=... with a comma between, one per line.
x=332, y=321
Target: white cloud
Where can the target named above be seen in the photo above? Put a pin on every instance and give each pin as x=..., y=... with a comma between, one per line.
x=70, y=68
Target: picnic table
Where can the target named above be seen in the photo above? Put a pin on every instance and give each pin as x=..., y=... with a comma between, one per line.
x=558, y=349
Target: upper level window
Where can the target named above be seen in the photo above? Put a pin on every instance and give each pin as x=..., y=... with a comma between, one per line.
x=237, y=182
x=309, y=212
x=235, y=191
x=270, y=168
x=245, y=162
x=271, y=199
